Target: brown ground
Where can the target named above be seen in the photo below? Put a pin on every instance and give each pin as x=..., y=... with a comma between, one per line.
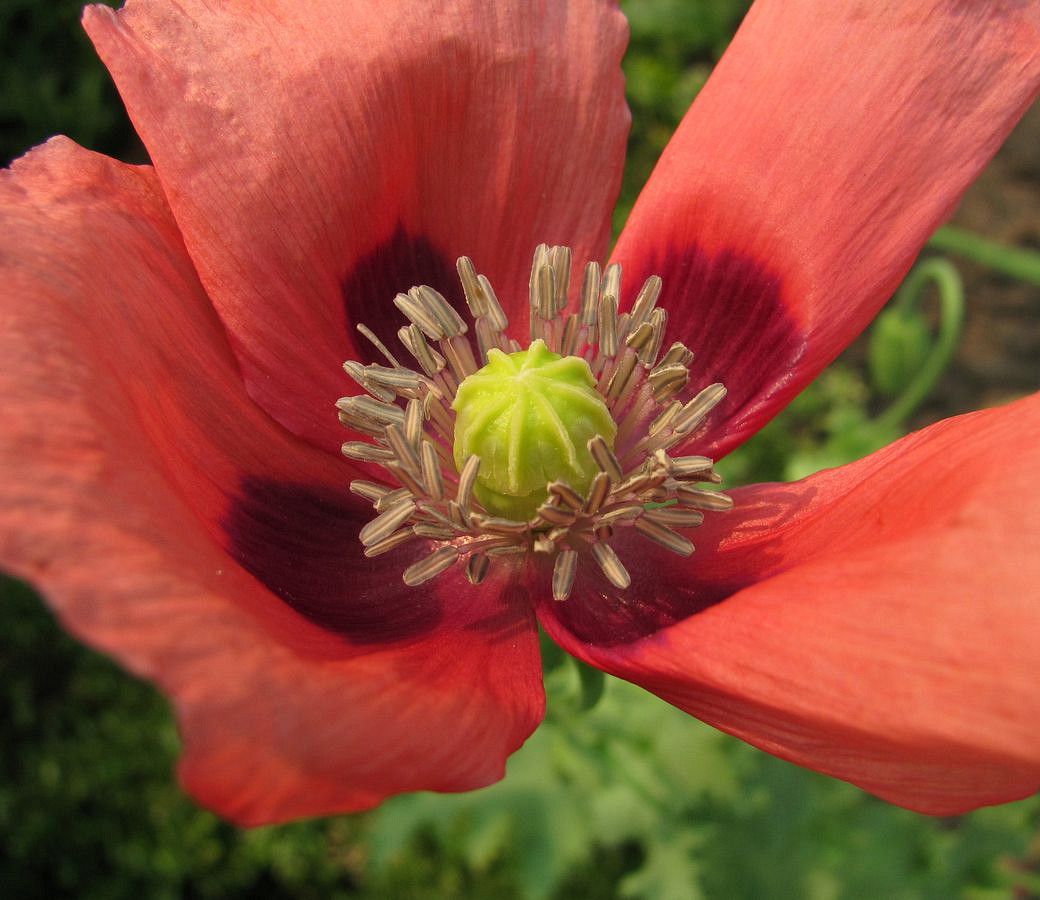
x=999, y=355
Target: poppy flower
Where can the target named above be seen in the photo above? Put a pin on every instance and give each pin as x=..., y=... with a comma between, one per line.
x=173, y=339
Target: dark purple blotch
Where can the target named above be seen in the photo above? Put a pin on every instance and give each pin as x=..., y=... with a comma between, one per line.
x=661, y=594
x=301, y=542
x=729, y=309
x=400, y=262
x=667, y=588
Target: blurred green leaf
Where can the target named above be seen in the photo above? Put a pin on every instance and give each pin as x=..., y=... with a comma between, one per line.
x=670, y=872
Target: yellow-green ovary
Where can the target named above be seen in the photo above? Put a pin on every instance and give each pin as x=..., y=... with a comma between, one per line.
x=529, y=417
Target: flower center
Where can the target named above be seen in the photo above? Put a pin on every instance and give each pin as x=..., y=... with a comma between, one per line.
x=529, y=417
x=544, y=450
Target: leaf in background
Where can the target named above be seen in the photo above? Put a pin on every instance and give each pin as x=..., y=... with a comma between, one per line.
x=670, y=872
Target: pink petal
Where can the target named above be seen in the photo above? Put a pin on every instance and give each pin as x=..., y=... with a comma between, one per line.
x=173, y=524
x=321, y=157
x=879, y=622
x=827, y=146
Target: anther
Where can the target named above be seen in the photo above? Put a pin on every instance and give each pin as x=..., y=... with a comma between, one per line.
x=615, y=477
x=611, y=566
x=442, y=558
x=563, y=574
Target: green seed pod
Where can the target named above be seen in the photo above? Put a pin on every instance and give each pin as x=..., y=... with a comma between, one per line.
x=529, y=416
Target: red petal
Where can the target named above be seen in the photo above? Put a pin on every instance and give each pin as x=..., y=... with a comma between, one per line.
x=828, y=144
x=888, y=629
x=174, y=525
x=321, y=157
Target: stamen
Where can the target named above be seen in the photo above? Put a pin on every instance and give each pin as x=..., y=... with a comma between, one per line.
x=378, y=344
x=365, y=407
x=589, y=292
x=608, y=337
x=368, y=489
x=658, y=322
x=437, y=532
x=477, y=568
x=496, y=316
x=442, y=558
x=412, y=337
x=667, y=381
x=498, y=525
x=598, y=492
x=704, y=499
x=449, y=322
x=475, y=299
x=431, y=471
x=605, y=458
x=385, y=523
x=570, y=497
x=467, y=478
x=413, y=422
x=677, y=353
x=641, y=337
x=675, y=516
x=406, y=478
x=366, y=452
x=554, y=515
x=646, y=299
x=612, y=567
x=403, y=449
x=418, y=315
x=408, y=416
x=663, y=535
x=612, y=283
x=693, y=413
x=684, y=465
x=358, y=373
x=563, y=574
x=622, y=381
x=390, y=543
x=390, y=498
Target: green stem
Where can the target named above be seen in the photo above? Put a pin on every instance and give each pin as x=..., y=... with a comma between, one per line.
x=1016, y=262
x=942, y=273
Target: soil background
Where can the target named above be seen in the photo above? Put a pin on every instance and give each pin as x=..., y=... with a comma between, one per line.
x=998, y=358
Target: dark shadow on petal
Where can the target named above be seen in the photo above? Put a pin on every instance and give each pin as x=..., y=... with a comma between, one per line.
x=729, y=310
x=402, y=261
x=301, y=542
x=509, y=614
x=667, y=588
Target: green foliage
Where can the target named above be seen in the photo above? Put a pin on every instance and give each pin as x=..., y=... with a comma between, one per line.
x=696, y=813
x=673, y=46
x=53, y=83
x=828, y=424
x=88, y=806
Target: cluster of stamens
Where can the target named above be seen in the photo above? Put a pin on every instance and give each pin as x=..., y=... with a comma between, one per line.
x=409, y=416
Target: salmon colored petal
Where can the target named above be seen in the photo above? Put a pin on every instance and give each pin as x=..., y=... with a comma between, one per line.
x=879, y=622
x=830, y=141
x=173, y=524
x=320, y=157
